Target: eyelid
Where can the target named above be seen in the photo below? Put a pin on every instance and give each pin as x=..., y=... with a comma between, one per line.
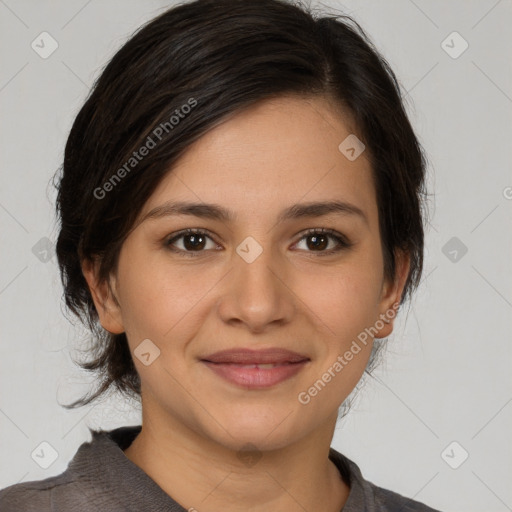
x=343, y=242
x=188, y=231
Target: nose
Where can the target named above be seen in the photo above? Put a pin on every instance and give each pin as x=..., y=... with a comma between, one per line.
x=257, y=294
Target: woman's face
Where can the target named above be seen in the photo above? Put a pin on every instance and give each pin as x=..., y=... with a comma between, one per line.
x=256, y=280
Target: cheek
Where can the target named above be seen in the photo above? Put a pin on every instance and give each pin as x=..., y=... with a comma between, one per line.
x=159, y=299
x=162, y=301
x=343, y=300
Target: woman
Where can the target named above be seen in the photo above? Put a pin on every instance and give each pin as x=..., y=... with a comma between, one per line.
x=241, y=218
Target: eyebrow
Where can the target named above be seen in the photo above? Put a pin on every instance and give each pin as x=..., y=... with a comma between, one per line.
x=217, y=212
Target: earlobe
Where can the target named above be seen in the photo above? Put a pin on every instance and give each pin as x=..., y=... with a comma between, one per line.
x=108, y=308
x=392, y=294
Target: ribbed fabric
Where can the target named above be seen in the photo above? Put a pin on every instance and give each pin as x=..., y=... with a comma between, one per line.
x=100, y=478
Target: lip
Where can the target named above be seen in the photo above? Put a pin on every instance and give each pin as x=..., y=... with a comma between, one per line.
x=250, y=356
x=256, y=369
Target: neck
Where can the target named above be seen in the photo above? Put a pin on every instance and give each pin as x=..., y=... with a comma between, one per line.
x=205, y=476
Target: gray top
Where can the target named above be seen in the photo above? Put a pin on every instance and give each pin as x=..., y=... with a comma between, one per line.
x=100, y=478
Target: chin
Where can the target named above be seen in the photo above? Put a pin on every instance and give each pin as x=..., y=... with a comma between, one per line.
x=264, y=431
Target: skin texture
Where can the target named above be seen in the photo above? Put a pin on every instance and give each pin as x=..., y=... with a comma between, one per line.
x=256, y=163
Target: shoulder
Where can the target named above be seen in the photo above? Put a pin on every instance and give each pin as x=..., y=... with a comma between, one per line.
x=41, y=495
x=24, y=498
x=72, y=489
x=98, y=477
x=366, y=496
x=387, y=500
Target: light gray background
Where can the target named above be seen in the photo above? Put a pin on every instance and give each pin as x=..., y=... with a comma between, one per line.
x=447, y=372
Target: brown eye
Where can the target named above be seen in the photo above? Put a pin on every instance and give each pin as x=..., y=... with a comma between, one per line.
x=318, y=240
x=192, y=241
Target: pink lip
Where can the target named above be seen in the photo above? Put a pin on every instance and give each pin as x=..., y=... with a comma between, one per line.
x=240, y=366
x=249, y=356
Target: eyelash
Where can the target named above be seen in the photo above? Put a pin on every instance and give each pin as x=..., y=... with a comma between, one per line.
x=341, y=240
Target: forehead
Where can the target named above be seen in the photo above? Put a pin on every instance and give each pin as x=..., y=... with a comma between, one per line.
x=276, y=153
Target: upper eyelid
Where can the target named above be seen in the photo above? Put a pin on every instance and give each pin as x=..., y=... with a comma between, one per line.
x=190, y=231
x=310, y=231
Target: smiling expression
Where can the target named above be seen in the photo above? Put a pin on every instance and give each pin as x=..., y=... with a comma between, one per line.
x=283, y=252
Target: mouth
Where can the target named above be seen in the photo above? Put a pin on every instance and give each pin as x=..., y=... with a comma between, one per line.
x=256, y=369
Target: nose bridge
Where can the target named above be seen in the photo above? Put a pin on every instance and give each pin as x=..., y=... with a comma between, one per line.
x=255, y=294
x=253, y=264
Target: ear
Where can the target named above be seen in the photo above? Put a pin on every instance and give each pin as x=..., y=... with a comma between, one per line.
x=107, y=306
x=392, y=293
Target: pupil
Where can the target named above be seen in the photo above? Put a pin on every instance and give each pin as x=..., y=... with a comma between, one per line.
x=196, y=241
x=315, y=239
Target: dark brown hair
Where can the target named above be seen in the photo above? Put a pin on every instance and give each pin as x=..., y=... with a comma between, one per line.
x=218, y=57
